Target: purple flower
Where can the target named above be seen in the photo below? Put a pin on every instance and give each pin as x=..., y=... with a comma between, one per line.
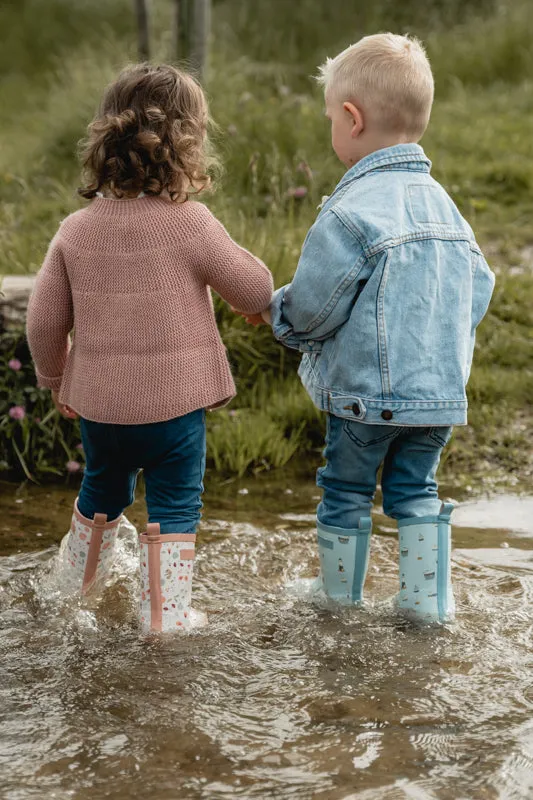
x=17, y=412
x=14, y=364
x=73, y=466
x=298, y=192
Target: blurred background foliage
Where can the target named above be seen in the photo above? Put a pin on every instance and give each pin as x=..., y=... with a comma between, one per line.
x=273, y=139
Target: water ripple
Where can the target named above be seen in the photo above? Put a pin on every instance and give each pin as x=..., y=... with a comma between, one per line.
x=278, y=697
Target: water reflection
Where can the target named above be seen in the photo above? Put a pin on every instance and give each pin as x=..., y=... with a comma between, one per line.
x=277, y=697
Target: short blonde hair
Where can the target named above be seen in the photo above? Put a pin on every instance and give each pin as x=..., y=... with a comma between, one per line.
x=389, y=76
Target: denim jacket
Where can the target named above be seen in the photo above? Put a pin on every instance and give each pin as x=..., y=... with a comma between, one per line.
x=389, y=290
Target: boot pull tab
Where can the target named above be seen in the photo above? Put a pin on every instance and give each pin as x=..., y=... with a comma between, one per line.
x=446, y=512
x=364, y=525
x=153, y=532
x=100, y=520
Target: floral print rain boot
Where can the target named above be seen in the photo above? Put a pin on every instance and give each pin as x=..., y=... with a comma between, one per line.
x=166, y=562
x=89, y=551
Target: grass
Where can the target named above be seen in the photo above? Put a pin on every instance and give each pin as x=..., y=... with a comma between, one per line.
x=273, y=137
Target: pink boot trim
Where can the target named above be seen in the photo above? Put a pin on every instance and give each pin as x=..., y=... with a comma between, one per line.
x=154, y=541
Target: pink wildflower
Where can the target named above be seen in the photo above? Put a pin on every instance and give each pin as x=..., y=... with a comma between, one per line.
x=79, y=447
x=17, y=412
x=14, y=364
x=298, y=192
x=73, y=466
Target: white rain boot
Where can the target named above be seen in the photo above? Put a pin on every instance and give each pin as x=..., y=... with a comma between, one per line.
x=425, y=575
x=344, y=558
x=166, y=581
x=88, y=551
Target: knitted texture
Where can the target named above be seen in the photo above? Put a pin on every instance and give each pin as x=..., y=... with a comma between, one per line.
x=132, y=278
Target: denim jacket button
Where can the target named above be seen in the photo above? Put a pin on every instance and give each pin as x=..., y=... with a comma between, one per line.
x=386, y=414
x=356, y=410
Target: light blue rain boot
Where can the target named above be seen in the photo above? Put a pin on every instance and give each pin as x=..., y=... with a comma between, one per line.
x=344, y=560
x=425, y=578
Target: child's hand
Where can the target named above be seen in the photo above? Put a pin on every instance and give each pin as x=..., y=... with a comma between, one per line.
x=254, y=319
x=64, y=410
x=251, y=319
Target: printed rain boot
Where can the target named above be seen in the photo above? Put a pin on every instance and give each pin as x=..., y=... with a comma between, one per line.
x=166, y=562
x=89, y=550
x=425, y=575
x=344, y=560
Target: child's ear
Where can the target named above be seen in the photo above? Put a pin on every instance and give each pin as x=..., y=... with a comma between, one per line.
x=358, y=120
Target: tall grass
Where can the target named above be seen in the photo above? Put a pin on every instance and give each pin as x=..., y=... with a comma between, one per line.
x=274, y=138
x=238, y=440
x=306, y=31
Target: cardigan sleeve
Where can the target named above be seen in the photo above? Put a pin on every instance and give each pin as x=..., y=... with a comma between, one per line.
x=50, y=319
x=235, y=274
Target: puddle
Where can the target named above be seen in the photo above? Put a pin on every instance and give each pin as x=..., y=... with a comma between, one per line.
x=506, y=512
x=276, y=698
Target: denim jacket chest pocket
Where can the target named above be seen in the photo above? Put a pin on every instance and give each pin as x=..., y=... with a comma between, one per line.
x=428, y=206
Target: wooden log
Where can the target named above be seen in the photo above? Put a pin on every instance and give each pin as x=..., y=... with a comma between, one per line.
x=15, y=291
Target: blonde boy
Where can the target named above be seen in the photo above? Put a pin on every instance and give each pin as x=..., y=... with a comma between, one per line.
x=379, y=93
x=384, y=304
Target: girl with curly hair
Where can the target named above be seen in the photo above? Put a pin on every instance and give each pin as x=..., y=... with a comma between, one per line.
x=129, y=277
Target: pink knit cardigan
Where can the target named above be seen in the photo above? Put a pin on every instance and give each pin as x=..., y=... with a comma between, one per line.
x=131, y=278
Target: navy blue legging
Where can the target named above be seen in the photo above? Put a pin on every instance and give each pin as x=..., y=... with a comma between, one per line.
x=172, y=455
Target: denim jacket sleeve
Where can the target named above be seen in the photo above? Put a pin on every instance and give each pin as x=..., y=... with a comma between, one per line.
x=320, y=298
x=483, y=285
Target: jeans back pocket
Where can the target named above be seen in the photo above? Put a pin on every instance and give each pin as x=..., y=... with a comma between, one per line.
x=440, y=435
x=369, y=435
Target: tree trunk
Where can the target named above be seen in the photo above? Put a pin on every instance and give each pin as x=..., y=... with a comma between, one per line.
x=201, y=25
x=181, y=29
x=143, y=34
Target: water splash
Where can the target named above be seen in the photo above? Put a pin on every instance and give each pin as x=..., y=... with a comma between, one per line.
x=278, y=696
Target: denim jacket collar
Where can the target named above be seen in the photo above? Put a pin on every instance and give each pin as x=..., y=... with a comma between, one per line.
x=408, y=156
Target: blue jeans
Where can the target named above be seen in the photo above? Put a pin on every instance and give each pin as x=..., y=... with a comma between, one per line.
x=172, y=455
x=355, y=451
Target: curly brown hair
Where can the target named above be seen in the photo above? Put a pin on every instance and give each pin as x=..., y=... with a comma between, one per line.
x=150, y=135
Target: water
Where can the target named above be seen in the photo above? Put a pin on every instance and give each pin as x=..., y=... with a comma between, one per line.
x=277, y=697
